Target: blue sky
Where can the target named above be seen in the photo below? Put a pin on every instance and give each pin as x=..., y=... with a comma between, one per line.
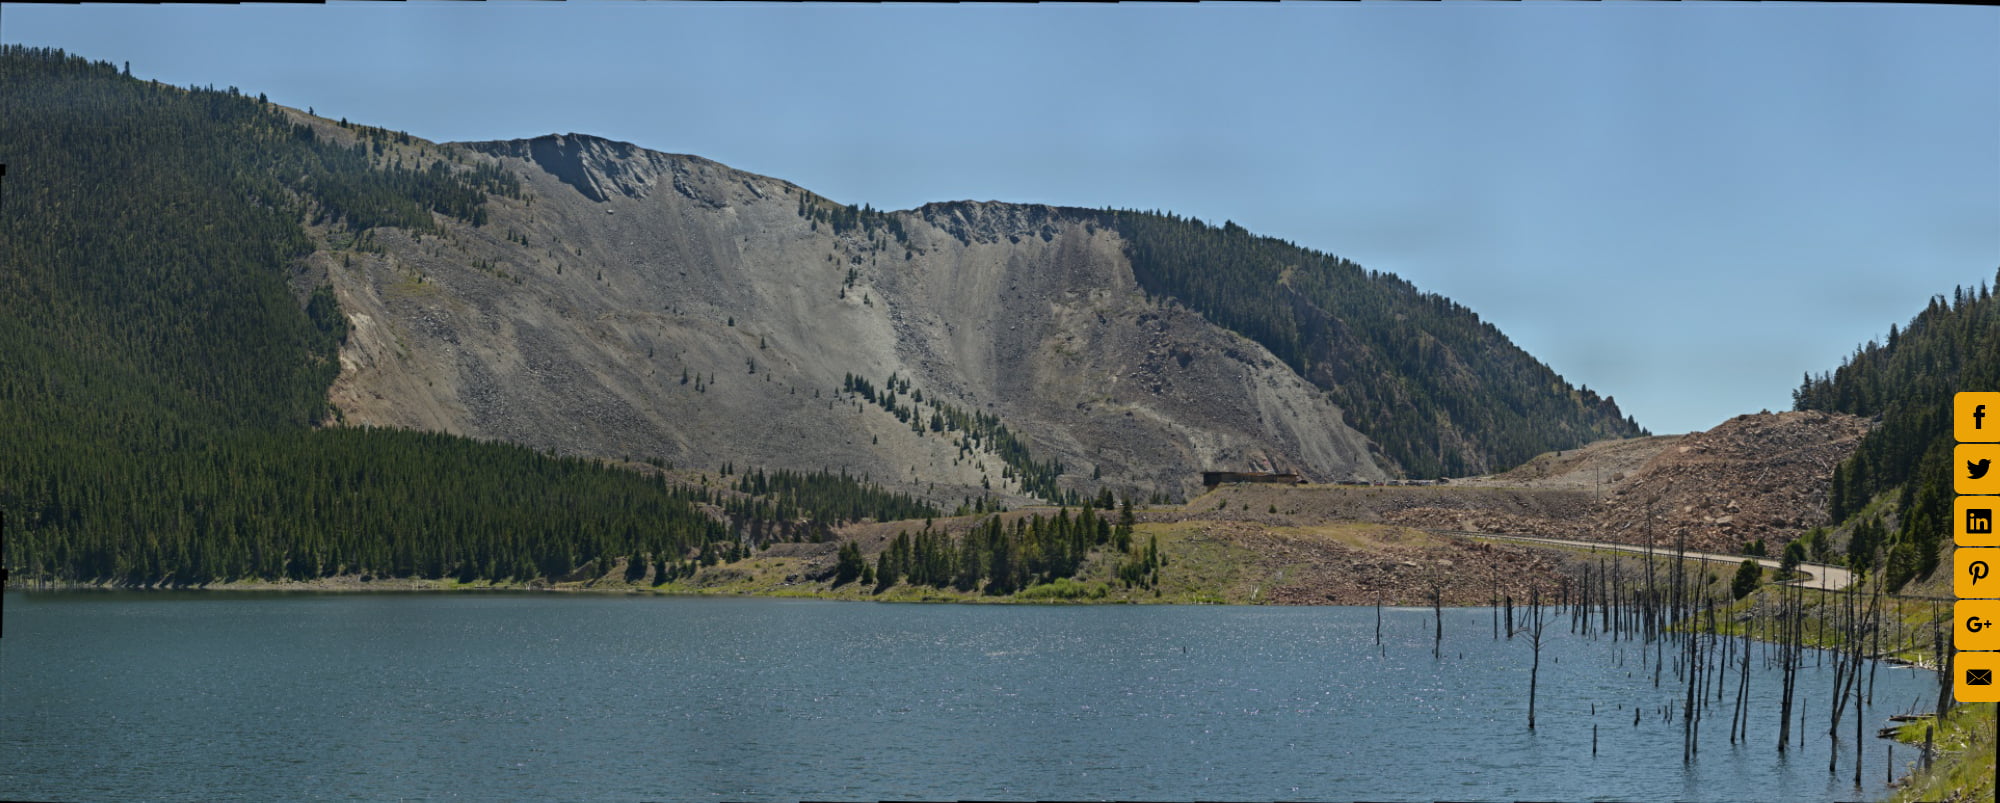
x=1685, y=206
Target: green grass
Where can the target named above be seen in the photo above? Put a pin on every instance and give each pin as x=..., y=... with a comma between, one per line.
x=1963, y=770
x=1064, y=589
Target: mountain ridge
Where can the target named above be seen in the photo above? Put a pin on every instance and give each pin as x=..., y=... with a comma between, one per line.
x=992, y=305
x=1008, y=352
x=704, y=298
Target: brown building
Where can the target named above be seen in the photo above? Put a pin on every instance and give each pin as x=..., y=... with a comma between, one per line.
x=1214, y=478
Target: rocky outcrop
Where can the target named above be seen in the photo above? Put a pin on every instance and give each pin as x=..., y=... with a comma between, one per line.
x=595, y=167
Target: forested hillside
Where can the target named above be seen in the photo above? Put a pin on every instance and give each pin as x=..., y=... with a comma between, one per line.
x=159, y=379
x=1952, y=345
x=1444, y=393
x=171, y=319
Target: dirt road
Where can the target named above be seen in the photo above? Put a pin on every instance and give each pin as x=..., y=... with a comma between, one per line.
x=1820, y=575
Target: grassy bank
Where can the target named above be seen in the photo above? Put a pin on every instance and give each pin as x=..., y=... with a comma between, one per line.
x=1963, y=769
x=1202, y=562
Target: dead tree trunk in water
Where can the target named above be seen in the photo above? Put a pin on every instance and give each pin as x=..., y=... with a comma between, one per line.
x=1496, y=600
x=1579, y=615
x=1945, y=647
x=1721, y=664
x=1534, y=630
x=1788, y=661
x=1842, y=661
x=1620, y=624
x=1605, y=587
x=1844, y=668
x=1437, y=611
x=1874, y=637
x=1857, y=715
x=1851, y=654
x=1741, y=714
x=1691, y=711
x=1658, y=618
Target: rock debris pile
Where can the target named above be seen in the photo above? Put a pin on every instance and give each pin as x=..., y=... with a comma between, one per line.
x=1761, y=476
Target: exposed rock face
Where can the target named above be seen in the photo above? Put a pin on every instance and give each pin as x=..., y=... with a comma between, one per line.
x=1758, y=476
x=597, y=168
x=569, y=321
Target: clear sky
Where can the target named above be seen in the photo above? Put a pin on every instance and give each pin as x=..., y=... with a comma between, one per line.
x=1685, y=206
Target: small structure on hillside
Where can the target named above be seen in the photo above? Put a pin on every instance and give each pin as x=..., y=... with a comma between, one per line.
x=1213, y=478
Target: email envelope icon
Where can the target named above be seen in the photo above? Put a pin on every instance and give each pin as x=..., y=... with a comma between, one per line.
x=1974, y=681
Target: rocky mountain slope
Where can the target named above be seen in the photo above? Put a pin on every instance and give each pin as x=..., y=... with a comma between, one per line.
x=1754, y=477
x=648, y=305
x=651, y=305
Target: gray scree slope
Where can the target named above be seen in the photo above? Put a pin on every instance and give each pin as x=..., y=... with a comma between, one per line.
x=568, y=320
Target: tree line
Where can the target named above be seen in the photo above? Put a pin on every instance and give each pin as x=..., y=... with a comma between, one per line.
x=995, y=557
x=299, y=504
x=1907, y=382
x=785, y=505
x=844, y=218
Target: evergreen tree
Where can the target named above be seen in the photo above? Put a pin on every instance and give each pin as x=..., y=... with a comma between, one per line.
x=1748, y=576
x=850, y=564
x=1908, y=383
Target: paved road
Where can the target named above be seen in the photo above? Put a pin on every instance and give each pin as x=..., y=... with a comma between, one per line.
x=1820, y=575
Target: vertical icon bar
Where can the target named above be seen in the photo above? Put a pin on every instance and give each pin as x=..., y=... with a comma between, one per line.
x=1975, y=473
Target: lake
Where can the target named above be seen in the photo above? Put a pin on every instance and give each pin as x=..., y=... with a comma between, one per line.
x=193, y=696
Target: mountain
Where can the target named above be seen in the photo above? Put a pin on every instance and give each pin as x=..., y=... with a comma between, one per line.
x=1132, y=350
x=228, y=323
x=1899, y=479
x=164, y=357
x=573, y=318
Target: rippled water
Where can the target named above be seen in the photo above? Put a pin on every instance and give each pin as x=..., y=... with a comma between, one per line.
x=531, y=697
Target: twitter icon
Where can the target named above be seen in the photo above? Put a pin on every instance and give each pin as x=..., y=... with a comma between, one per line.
x=1975, y=473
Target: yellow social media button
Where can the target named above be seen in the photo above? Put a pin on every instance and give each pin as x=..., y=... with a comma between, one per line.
x=1975, y=468
x=1973, y=520
x=1976, y=574
x=1975, y=677
x=1975, y=417
x=1976, y=624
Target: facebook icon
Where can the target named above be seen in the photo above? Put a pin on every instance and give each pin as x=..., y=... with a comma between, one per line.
x=1979, y=416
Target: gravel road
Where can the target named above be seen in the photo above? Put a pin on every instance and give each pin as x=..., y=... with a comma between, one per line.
x=1820, y=575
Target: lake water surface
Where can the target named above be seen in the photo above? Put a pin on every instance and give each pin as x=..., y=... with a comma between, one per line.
x=186, y=696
